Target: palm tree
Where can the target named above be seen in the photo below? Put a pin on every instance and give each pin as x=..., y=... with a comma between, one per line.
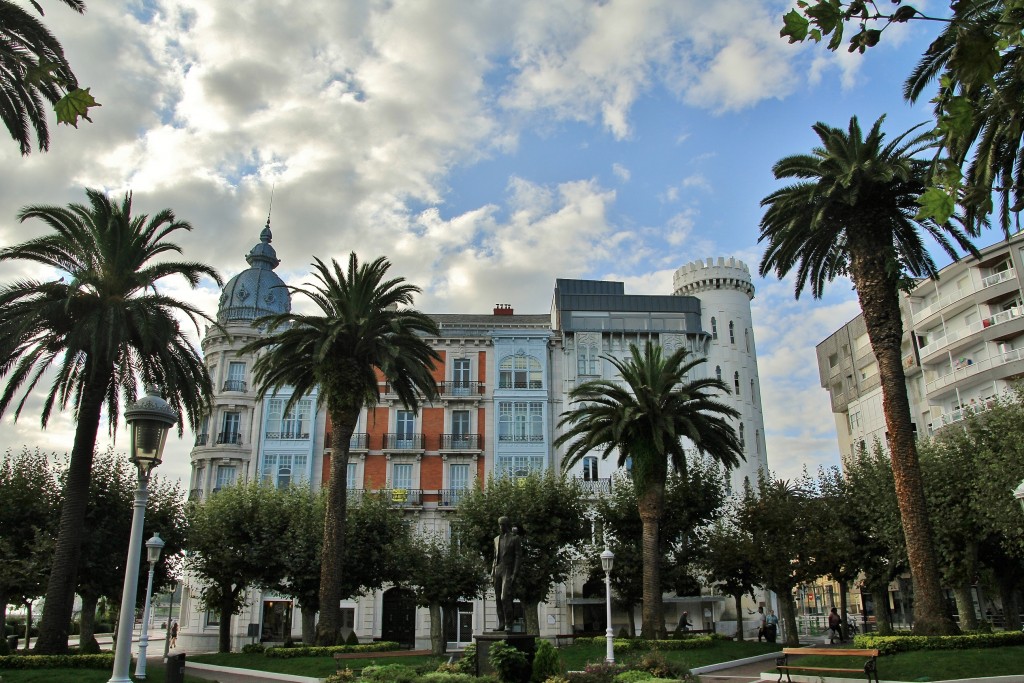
x=360, y=332
x=649, y=421
x=980, y=104
x=99, y=328
x=853, y=213
x=32, y=68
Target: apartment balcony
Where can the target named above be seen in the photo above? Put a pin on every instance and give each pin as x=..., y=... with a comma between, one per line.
x=461, y=442
x=533, y=384
x=288, y=435
x=359, y=442
x=460, y=388
x=234, y=385
x=594, y=488
x=450, y=498
x=1008, y=323
x=403, y=442
x=202, y=439
x=998, y=366
x=229, y=438
x=954, y=302
x=960, y=414
x=400, y=497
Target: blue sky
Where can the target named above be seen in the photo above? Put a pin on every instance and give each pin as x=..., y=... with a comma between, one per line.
x=486, y=148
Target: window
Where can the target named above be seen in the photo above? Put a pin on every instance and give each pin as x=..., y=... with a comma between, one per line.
x=199, y=477
x=519, y=372
x=282, y=470
x=854, y=420
x=736, y=382
x=518, y=465
x=714, y=328
x=743, y=438
x=352, y=474
x=236, y=377
x=460, y=377
x=753, y=394
x=520, y=421
x=291, y=425
x=587, y=362
x=225, y=476
x=757, y=441
x=405, y=425
x=401, y=475
x=348, y=617
x=590, y=468
x=732, y=332
x=718, y=372
x=461, y=432
x=458, y=476
x=212, y=617
x=833, y=360
x=746, y=338
x=231, y=421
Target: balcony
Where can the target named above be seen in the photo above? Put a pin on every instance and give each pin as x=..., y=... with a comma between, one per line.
x=461, y=442
x=594, y=488
x=963, y=371
x=359, y=442
x=450, y=498
x=953, y=297
x=532, y=384
x=521, y=438
x=288, y=435
x=403, y=442
x=201, y=439
x=460, y=388
x=234, y=385
x=400, y=497
x=952, y=336
x=230, y=438
x=960, y=414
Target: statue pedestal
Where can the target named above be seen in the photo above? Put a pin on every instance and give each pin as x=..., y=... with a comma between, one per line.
x=524, y=642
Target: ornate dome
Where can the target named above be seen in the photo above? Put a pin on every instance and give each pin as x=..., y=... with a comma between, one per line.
x=256, y=291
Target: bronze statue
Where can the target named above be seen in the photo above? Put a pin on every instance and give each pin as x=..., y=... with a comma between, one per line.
x=507, y=554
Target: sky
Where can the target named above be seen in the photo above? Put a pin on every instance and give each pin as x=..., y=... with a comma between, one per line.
x=486, y=148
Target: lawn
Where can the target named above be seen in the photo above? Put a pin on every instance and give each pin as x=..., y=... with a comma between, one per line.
x=318, y=667
x=153, y=675
x=576, y=657
x=936, y=665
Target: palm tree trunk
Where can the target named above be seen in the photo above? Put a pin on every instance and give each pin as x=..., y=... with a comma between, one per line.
x=60, y=590
x=738, y=599
x=530, y=610
x=438, y=642
x=651, y=503
x=343, y=424
x=879, y=302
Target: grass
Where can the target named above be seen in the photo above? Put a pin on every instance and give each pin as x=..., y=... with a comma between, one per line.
x=936, y=665
x=153, y=675
x=576, y=657
x=318, y=667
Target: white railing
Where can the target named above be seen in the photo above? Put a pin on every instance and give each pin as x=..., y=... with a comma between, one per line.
x=996, y=278
x=953, y=335
x=972, y=368
x=959, y=294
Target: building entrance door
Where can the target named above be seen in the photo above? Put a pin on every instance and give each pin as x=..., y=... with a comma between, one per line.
x=277, y=621
x=398, y=622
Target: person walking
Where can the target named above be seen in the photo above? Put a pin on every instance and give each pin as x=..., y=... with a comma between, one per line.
x=771, y=628
x=761, y=623
x=174, y=635
x=835, y=628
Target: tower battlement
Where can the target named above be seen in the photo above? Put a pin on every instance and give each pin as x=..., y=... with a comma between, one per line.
x=702, y=276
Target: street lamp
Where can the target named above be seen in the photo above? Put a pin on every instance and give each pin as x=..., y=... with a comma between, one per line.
x=153, y=548
x=149, y=419
x=607, y=562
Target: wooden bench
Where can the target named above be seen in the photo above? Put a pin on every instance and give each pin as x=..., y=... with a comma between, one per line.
x=870, y=668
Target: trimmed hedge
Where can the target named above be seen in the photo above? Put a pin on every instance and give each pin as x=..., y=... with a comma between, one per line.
x=330, y=650
x=105, y=661
x=641, y=644
x=889, y=645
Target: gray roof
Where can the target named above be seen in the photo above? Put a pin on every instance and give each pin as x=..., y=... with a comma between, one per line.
x=256, y=291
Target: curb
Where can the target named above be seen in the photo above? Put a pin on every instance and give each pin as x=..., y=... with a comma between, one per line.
x=252, y=673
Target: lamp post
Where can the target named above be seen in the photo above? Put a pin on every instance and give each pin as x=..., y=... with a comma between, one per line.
x=170, y=621
x=153, y=548
x=149, y=419
x=607, y=562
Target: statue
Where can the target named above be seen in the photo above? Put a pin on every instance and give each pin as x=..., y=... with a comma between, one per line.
x=507, y=554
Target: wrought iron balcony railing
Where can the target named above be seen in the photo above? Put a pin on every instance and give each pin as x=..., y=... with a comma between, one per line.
x=460, y=442
x=403, y=442
x=232, y=438
x=234, y=385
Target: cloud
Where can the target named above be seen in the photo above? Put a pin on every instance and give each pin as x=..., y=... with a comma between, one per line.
x=621, y=172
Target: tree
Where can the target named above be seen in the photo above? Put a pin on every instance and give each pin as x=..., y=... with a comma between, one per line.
x=977, y=60
x=690, y=502
x=237, y=539
x=33, y=68
x=730, y=561
x=647, y=420
x=842, y=536
x=441, y=574
x=550, y=514
x=780, y=519
x=360, y=332
x=100, y=328
x=28, y=522
x=853, y=213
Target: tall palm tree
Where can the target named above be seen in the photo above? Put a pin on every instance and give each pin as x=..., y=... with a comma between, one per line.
x=99, y=329
x=853, y=213
x=32, y=69
x=651, y=419
x=358, y=332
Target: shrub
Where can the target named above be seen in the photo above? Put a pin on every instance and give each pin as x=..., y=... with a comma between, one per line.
x=623, y=633
x=888, y=645
x=511, y=664
x=446, y=677
x=633, y=676
x=390, y=673
x=467, y=664
x=602, y=672
x=329, y=651
x=351, y=638
x=288, y=642
x=658, y=666
x=341, y=676
x=253, y=649
x=4, y=649
x=546, y=663
x=104, y=661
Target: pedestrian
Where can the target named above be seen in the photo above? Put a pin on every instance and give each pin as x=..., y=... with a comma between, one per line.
x=761, y=623
x=835, y=629
x=771, y=629
x=684, y=623
x=174, y=634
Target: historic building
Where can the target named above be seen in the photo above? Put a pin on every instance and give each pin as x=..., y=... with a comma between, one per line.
x=503, y=383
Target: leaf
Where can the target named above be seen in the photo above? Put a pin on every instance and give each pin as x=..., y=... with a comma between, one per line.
x=795, y=27
x=936, y=204
x=903, y=14
x=74, y=104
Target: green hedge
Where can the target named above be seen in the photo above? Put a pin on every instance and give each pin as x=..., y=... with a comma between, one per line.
x=640, y=644
x=105, y=661
x=328, y=651
x=888, y=645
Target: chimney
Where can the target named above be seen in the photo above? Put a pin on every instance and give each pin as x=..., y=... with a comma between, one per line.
x=502, y=309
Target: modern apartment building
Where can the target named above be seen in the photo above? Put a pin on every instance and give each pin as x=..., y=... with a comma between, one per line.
x=503, y=383
x=962, y=346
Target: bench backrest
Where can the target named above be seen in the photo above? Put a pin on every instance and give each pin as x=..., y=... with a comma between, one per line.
x=828, y=651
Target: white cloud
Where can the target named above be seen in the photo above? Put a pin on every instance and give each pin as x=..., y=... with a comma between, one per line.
x=621, y=172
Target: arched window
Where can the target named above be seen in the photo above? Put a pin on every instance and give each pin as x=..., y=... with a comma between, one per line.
x=587, y=360
x=746, y=338
x=714, y=328
x=718, y=372
x=519, y=372
x=753, y=394
x=743, y=438
x=732, y=332
x=757, y=441
x=736, y=382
